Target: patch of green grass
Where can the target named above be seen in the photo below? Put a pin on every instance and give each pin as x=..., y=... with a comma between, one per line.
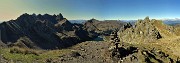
x=31, y=57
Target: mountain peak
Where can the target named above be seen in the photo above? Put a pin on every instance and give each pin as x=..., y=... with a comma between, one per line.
x=59, y=17
x=147, y=18
x=46, y=17
x=143, y=29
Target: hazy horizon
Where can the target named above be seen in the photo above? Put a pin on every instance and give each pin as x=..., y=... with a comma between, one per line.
x=87, y=9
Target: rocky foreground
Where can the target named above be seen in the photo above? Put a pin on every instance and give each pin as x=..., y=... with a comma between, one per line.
x=98, y=52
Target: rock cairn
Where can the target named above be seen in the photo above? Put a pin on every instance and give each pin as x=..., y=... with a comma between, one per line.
x=114, y=41
x=115, y=46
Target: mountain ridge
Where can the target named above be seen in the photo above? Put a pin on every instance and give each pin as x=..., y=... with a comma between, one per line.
x=52, y=29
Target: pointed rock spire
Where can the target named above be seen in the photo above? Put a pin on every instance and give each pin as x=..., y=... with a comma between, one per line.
x=59, y=17
x=147, y=19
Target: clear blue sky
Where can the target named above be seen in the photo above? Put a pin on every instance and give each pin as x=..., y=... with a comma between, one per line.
x=87, y=9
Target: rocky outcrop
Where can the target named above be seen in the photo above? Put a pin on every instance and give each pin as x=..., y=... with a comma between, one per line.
x=122, y=52
x=143, y=31
x=130, y=54
x=42, y=31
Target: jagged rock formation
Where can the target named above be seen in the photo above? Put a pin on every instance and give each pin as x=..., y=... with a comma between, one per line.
x=103, y=27
x=143, y=31
x=125, y=53
x=42, y=31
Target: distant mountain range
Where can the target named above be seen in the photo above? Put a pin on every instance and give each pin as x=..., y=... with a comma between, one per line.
x=42, y=32
x=172, y=21
x=166, y=21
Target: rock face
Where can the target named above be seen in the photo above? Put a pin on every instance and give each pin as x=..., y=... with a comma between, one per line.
x=143, y=31
x=103, y=27
x=42, y=31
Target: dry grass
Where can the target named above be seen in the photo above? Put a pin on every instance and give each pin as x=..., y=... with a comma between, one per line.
x=30, y=55
x=163, y=29
x=24, y=51
x=168, y=45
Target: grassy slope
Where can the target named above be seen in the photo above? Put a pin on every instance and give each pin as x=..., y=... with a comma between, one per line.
x=30, y=58
x=164, y=29
x=169, y=43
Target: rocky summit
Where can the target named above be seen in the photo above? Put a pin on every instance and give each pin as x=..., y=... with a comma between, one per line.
x=149, y=41
x=143, y=31
x=42, y=32
x=147, y=31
